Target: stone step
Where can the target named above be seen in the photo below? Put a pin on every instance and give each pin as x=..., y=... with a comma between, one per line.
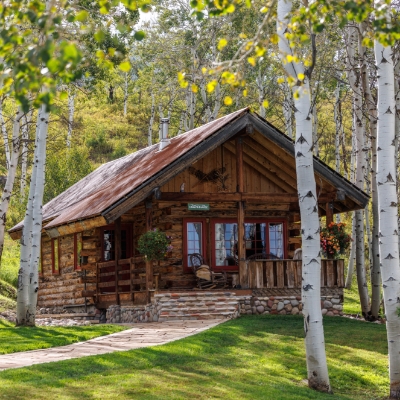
x=194, y=294
x=78, y=316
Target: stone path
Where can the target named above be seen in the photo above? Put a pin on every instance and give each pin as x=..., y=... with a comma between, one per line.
x=140, y=335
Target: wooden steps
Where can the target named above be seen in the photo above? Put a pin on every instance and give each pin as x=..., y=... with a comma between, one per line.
x=196, y=306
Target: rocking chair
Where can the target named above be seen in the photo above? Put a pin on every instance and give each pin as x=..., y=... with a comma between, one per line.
x=205, y=276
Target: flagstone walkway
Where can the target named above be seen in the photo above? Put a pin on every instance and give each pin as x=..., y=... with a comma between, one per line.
x=140, y=335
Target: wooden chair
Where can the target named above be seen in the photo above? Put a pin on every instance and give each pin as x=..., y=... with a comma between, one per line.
x=205, y=276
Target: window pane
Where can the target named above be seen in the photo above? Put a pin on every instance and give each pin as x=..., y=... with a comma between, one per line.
x=194, y=239
x=255, y=238
x=276, y=239
x=109, y=246
x=225, y=242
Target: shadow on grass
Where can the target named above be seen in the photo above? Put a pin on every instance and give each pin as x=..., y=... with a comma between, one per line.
x=249, y=358
x=14, y=339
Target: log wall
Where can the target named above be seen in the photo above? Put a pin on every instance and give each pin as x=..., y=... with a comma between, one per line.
x=65, y=288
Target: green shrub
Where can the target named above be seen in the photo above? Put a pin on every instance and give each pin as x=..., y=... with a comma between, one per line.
x=154, y=245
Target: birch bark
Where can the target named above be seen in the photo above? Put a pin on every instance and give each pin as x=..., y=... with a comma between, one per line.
x=71, y=110
x=387, y=200
x=5, y=136
x=11, y=172
x=24, y=152
x=317, y=369
x=358, y=126
x=151, y=122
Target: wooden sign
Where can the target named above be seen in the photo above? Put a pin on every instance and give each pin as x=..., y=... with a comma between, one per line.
x=198, y=206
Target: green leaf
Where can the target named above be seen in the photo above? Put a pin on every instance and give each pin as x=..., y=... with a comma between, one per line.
x=82, y=16
x=99, y=36
x=139, y=35
x=53, y=65
x=125, y=66
x=70, y=52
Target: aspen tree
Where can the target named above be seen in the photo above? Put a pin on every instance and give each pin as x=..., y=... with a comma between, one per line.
x=387, y=201
x=317, y=369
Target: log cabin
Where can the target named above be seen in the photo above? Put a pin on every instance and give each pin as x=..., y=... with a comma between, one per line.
x=225, y=190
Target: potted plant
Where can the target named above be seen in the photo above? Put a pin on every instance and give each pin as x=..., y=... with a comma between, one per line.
x=334, y=240
x=154, y=245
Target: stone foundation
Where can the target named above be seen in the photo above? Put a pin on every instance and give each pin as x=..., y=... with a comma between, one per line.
x=331, y=305
x=132, y=314
x=206, y=305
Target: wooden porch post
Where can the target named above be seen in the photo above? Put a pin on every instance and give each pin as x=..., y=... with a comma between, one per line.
x=117, y=244
x=329, y=213
x=241, y=246
x=149, y=264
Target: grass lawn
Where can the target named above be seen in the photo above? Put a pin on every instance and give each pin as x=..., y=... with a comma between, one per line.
x=254, y=357
x=14, y=339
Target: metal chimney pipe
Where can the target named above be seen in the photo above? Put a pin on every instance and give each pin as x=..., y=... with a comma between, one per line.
x=164, y=142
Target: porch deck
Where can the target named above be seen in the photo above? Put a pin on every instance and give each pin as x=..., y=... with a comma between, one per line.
x=128, y=283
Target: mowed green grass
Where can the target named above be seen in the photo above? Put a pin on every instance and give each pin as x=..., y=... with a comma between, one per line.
x=253, y=357
x=14, y=339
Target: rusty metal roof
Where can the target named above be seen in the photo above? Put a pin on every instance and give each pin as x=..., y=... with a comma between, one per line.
x=113, y=180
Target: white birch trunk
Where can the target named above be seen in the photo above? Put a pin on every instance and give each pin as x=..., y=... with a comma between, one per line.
x=28, y=278
x=126, y=95
x=37, y=217
x=315, y=124
x=317, y=369
x=150, y=132
x=261, y=93
x=358, y=125
x=217, y=104
x=24, y=152
x=203, y=93
x=5, y=136
x=388, y=214
x=287, y=110
x=350, y=266
x=26, y=243
x=338, y=124
x=71, y=110
x=11, y=172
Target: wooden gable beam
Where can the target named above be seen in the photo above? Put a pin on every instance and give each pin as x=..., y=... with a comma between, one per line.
x=256, y=153
x=288, y=168
x=260, y=168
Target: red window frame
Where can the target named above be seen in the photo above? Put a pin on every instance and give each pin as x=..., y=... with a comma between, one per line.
x=249, y=221
x=55, y=257
x=186, y=267
x=129, y=234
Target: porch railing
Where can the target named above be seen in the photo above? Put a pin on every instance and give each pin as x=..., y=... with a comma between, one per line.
x=287, y=273
x=124, y=281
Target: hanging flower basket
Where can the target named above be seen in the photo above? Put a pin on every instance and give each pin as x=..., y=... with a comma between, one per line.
x=334, y=240
x=154, y=245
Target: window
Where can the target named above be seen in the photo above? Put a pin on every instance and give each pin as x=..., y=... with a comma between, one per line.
x=108, y=242
x=78, y=244
x=193, y=239
x=55, y=256
x=261, y=237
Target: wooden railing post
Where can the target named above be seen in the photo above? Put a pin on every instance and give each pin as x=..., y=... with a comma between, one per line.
x=149, y=263
x=117, y=244
x=241, y=245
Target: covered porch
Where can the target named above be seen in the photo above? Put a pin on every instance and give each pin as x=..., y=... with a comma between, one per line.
x=128, y=282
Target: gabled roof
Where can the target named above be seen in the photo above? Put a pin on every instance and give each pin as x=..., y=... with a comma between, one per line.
x=117, y=186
